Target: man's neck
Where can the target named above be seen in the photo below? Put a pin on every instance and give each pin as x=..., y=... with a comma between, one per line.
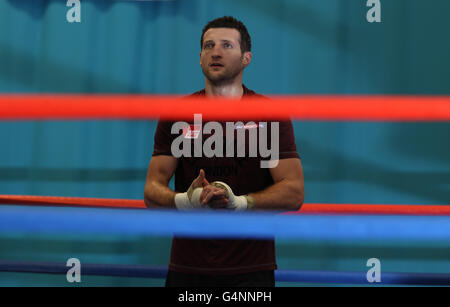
x=231, y=90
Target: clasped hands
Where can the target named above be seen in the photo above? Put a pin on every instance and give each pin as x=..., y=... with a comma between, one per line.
x=215, y=195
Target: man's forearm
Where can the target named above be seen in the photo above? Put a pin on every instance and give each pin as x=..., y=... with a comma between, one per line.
x=283, y=195
x=157, y=195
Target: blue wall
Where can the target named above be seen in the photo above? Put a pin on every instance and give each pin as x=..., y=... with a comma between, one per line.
x=299, y=47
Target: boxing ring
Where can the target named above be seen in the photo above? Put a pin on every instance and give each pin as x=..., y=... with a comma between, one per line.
x=27, y=214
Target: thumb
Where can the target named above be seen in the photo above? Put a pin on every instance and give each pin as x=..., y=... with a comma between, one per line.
x=204, y=182
x=198, y=182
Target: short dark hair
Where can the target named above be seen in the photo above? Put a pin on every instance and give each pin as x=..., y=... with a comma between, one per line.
x=230, y=22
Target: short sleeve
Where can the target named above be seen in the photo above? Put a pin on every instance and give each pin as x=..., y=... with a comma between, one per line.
x=288, y=149
x=163, y=139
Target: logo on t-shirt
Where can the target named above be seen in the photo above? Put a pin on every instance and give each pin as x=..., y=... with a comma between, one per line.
x=192, y=131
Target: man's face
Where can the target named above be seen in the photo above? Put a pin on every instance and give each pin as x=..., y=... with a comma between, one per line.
x=221, y=58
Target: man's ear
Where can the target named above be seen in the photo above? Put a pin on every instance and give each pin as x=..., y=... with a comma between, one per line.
x=247, y=58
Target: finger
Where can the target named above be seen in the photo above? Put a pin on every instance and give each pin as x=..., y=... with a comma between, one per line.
x=208, y=197
x=205, y=191
x=198, y=182
x=204, y=182
x=218, y=201
x=202, y=176
x=212, y=194
x=219, y=193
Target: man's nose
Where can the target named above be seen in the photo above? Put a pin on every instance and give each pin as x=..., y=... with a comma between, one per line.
x=216, y=52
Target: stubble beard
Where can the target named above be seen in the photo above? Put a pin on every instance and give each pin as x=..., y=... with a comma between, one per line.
x=225, y=77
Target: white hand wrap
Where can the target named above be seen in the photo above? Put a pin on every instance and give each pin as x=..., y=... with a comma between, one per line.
x=236, y=202
x=189, y=200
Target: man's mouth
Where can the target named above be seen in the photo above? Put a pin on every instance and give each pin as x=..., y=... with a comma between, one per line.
x=216, y=65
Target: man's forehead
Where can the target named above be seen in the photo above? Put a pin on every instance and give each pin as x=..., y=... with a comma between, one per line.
x=228, y=34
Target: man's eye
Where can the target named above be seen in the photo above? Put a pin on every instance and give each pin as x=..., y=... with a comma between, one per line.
x=228, y=45
x=207, y=46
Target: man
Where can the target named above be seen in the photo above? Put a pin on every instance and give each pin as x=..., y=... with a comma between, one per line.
x=232, y=183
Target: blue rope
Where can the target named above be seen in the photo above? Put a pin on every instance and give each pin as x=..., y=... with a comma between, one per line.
x=359, y=278
x=141, y=271
x=213, y=224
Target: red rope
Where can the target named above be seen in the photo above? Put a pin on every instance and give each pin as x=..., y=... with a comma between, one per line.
x=362, y=108
x=351, y=209
x=70, y=201
x=375, y=209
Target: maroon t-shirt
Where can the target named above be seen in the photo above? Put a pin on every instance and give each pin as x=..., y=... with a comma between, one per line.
x=244, y=175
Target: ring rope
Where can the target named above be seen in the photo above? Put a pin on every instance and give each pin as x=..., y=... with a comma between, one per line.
x=76, y=220
x=222, y=224
x=319, y=107
x=352, y=209
x=301, y=276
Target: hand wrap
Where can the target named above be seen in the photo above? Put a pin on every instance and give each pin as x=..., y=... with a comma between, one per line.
x=189, y=199
x=243, y=202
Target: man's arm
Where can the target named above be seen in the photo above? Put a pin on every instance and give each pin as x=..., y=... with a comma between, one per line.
x=157, y=192
x=287, y=192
